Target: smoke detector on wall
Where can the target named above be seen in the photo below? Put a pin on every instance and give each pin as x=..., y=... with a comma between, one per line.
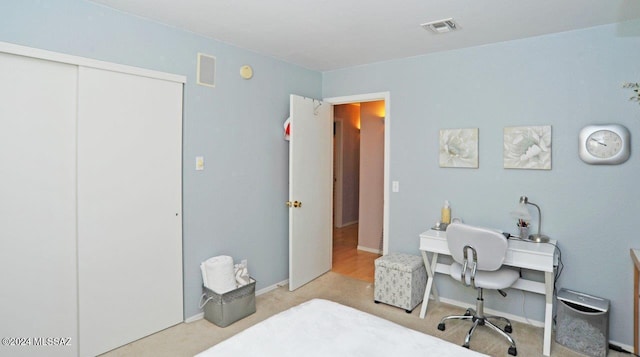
x=441, y=26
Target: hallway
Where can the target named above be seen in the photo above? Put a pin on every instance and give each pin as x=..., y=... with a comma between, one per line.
x=347, y=259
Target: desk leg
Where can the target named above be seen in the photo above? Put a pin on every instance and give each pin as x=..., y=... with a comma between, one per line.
x=431, y=268
x=636, y=276
x=548, y=313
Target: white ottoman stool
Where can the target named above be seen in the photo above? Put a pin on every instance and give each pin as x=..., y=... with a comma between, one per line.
x=400, y=280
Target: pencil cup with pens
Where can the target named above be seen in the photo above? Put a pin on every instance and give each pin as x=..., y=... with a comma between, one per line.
x=523, y=228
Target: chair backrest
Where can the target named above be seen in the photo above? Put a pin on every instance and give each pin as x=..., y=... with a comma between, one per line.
x=490, y=245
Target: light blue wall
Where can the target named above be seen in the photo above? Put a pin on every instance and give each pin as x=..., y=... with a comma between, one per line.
x=236, y=205
x=565, y=80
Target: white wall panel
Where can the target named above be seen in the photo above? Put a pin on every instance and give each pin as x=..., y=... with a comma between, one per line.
x=129, y=208
x=37, y=206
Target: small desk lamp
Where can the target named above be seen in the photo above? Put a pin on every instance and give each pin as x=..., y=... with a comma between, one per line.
x=538, y=237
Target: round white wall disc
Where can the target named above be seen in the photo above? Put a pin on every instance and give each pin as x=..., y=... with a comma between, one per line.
x=246, y=72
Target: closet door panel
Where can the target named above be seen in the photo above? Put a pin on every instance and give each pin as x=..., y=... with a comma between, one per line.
x=129, y=208
x=38, y=298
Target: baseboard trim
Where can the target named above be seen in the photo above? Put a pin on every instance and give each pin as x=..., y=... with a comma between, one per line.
x=344, y=224
x=272, y=287
x=625, y=347
x=265, y=290
x=370, y=250
x=194, y=318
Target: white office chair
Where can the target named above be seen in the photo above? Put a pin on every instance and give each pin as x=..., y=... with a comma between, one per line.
x=478, y=254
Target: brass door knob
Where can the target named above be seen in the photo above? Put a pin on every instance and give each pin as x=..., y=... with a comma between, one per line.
x=297, y=204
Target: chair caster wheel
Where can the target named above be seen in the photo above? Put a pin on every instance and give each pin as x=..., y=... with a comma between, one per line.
x=465, y=346
x=441, y=326
x=407, y=311
x=376, y=301
x=508, y=329
x=513, y=351
x=467, y=313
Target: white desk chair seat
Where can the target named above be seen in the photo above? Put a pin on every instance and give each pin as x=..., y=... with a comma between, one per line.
x=478, y=254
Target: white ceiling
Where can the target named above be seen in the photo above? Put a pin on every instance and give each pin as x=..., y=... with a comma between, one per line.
x=331, y=34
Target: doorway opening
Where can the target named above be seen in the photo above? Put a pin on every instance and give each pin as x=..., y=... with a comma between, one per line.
x=359, y=187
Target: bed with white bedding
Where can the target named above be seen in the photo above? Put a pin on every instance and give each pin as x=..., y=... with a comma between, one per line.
x=323, y=328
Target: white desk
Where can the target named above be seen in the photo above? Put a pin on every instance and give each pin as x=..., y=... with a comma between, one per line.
x=520, y=254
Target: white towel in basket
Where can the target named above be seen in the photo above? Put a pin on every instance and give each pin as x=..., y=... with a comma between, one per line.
x=242, y=274
x=218, y=274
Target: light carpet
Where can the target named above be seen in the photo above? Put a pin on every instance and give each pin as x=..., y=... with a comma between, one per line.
x=188, y=339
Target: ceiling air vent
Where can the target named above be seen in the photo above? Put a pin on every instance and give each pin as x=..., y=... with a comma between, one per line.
x=440, y=26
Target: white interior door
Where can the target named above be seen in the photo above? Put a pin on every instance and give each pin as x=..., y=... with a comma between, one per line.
x=37, y=205
x=129, y=208
x=310, y=190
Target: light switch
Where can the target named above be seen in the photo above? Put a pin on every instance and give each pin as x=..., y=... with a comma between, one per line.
x=199, y=163
x=395, y=186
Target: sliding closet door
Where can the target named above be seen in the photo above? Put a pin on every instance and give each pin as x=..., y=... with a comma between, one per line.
x=129, y=208
x=37, y=207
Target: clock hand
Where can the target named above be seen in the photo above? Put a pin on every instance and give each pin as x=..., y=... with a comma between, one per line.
x=599, y=142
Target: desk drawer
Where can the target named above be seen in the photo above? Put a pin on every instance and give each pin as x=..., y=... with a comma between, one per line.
x=434, y=245
x=529, y=260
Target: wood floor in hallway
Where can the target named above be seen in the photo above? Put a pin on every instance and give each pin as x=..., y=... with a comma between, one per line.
x=347, y=259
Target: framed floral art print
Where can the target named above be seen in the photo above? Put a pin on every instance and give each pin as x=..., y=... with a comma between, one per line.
x=527, y=147
x=459, y=148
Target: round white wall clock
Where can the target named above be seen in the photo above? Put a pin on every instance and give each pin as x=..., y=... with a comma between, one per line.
x=604, y=144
